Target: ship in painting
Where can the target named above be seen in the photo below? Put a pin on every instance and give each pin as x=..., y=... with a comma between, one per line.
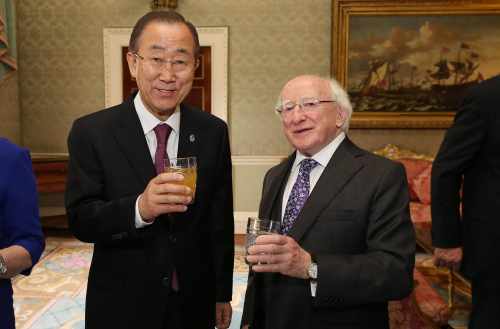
x=381, y=90
x=437, y=89
x=452, y=78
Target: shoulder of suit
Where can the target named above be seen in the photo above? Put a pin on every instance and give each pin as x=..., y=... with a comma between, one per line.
x=487, y=89
x=380, y=160
x=481, y=102
x=284, y=163
x=103, y=117
x=202, y=117
x=369, y=158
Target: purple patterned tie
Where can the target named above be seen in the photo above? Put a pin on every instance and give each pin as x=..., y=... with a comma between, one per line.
x=162, y=131
x=298, y=195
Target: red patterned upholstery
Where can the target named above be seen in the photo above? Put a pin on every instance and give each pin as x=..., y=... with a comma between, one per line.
x=405, y=314
x=421, y=214
x=418, y=171
x=421, y=184
x=414, y=168
x=417, y=167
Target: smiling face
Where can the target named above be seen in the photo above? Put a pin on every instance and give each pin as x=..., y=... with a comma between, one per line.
x=163, y=89
x=310, y=131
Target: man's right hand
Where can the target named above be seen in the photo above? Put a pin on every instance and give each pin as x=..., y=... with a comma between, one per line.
x=448, y=257
x=164, y=195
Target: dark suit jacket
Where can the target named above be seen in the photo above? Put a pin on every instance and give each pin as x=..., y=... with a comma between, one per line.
x=470, y=151
x=129, y=279
x=357, y=224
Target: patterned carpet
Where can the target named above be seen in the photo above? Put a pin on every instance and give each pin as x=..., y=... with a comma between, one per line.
x=53, y=296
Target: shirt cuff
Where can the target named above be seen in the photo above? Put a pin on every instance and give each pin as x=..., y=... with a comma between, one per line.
x=139, y=222
x=314, y=285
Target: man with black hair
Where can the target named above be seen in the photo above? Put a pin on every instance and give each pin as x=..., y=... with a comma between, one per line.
x=160, y=260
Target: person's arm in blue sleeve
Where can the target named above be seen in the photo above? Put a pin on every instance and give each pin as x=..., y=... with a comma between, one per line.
x=21, y=228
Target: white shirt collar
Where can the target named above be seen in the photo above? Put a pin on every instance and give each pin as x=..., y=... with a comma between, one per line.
x=325, y=154
x=149, y=121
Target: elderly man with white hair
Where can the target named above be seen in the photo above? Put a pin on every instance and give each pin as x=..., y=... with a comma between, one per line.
x=347, y=243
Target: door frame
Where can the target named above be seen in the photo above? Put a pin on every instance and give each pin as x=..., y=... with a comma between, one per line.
x=215, y=37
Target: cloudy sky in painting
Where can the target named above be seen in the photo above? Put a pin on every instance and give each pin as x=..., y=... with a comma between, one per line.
x=420, y=41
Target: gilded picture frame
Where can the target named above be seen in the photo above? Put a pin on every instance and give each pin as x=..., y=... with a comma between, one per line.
x=407, y=64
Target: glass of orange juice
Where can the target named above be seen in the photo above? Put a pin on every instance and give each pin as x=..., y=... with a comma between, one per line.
x=187, y=168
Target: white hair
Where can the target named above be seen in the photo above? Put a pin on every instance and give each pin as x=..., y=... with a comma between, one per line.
x=342, y=98
x=339, y=95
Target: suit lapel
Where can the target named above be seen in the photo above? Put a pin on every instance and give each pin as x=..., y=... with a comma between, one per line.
x=189, y=141
x=188, y=134
x=271, y=200
x=130, y=138
x=340, y=169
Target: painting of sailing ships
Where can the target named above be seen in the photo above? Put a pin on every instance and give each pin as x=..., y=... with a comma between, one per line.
x=419, y=64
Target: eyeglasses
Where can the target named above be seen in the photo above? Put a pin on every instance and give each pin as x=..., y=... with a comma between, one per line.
x=158, y=63
x=305, y=104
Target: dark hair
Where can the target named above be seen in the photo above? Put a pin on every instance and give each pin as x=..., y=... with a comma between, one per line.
x=164, y=16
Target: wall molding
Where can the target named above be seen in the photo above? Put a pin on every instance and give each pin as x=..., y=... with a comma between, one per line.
x=257, y=160
x=49, y=154
x=237, y=160
x=240, y=217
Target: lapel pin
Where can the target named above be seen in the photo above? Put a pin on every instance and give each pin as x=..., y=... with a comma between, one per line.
x=192, y=138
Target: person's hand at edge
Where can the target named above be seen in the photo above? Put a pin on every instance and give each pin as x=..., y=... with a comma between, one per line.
x=448, y=257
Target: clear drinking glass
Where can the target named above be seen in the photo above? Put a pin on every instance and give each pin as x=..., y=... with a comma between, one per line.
x=187, y=168
x=259, y=226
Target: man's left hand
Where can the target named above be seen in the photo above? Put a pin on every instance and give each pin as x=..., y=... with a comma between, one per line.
x=279, y=253
x=223, y=313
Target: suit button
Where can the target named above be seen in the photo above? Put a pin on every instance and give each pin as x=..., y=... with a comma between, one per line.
x=172, y=239
x=165, y=281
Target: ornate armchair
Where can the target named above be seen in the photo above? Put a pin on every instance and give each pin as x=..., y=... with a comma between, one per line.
x=418, y=171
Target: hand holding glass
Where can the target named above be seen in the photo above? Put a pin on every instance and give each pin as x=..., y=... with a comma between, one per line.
x=258, y=226
x=187, y=168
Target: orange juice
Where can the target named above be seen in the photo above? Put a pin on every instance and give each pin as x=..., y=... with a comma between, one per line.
x=189, y=177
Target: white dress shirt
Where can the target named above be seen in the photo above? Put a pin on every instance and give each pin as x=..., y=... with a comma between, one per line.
x=322, y=157
x=148, y=123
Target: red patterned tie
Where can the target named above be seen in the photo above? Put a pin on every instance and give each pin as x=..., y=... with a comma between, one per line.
x=162, y=132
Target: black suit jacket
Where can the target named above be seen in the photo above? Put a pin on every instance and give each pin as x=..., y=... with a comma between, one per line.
x=129, y=279
x=357, y=224
x=470, y=152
